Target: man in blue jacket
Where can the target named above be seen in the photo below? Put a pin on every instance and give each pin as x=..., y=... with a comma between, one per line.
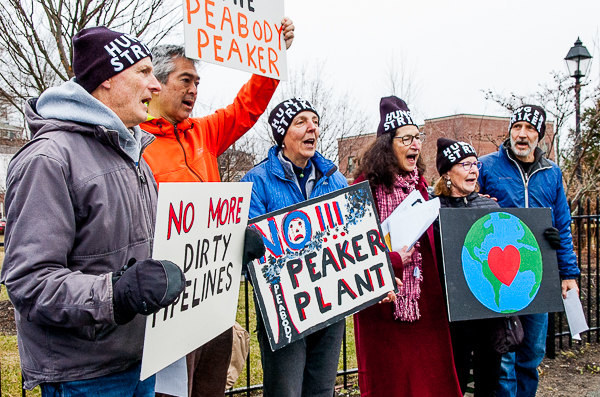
x=519, y=175
x=293, y=172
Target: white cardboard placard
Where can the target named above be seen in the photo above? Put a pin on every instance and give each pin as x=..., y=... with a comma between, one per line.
x=240, y=34
x=200, y=227
x=325, y=260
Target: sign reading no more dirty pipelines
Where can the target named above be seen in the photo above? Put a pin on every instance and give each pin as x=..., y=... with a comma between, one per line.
x=200, y=227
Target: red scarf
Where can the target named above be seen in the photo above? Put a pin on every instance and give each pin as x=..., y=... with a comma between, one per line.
x=406, y=307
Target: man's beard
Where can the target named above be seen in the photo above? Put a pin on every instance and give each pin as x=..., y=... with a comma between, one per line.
x=524, y=152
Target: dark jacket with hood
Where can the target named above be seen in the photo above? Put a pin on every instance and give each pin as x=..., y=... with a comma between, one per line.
x=502, y=177
x=80, y=203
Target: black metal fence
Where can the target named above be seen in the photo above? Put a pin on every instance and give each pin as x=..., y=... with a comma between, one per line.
x=586, y=239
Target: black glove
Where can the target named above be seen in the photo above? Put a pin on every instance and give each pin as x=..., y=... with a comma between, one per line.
x=254, y=247
x=552, y=236
x=145, y=287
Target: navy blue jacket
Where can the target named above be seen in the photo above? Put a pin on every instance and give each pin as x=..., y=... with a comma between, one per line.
x=273, y=188
x=502, y=178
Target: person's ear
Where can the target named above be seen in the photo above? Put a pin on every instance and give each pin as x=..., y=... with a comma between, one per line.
x=106, y=84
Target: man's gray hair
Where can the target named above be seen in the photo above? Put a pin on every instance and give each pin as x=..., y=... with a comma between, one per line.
x=163, y=60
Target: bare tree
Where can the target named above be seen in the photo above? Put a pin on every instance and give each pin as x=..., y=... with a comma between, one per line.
x=558, y=99
x=238, y=159
x=401, y=80
x=36, y=37
x=340, y=114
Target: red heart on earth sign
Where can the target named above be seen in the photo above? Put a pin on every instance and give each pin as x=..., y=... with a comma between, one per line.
x=504, y=264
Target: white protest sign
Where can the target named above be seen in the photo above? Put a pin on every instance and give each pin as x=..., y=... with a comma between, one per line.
x=244, y=35
x=200, y=227
x=325, y=260
x=575, y=316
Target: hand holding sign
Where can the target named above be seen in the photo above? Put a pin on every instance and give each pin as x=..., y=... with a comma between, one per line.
x=288, y=31
x=201, y=228
x=145, y=287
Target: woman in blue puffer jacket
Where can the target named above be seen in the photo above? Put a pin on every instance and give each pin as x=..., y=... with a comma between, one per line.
x=293, y=172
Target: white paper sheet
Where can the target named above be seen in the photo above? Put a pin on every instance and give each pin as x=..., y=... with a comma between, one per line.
x=410, y=219
x=575, y=316
x=414, y=198
x=173, y=379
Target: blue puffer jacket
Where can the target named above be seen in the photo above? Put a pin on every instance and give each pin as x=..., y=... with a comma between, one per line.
x=502, y=178
x=273, y=188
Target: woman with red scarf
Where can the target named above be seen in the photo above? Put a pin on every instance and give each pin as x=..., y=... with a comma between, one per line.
x=403, y=348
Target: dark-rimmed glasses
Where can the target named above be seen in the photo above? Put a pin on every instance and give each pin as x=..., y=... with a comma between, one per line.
x=468, y=164
x=408, y=139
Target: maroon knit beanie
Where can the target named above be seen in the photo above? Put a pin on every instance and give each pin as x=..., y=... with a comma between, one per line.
x=450, y=152
x=394, y=114
x=100, y=53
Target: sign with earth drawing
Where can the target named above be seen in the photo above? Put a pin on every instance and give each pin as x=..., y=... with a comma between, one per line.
x=325, y=260
x=498, y=263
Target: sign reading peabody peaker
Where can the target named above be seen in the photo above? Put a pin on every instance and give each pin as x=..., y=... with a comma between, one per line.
x=244, y=35
x=201, y=228
x=325, y=260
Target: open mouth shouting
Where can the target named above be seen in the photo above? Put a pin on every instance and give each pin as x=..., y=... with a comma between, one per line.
x=411, y=158
x=522, y=144
x=145, y=102
x=310, y=143
x=471, y=179
x=188, y=103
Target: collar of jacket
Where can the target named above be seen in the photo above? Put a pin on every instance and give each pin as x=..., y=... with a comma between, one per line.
x=39, y=126
x=448, y=201
x=322, y=165
x=161, y=127
x=539, y=161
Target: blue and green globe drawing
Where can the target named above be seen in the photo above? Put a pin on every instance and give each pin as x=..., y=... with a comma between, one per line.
x=502, y=262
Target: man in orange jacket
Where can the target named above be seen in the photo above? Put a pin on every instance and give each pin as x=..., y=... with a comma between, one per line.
x=186, y=150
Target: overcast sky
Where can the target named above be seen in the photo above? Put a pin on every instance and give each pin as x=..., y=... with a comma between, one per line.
x=452, y=50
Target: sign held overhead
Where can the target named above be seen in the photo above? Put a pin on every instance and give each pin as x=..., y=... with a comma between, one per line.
x=240, y=34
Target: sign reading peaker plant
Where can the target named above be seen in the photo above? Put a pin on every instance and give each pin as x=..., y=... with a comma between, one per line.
x=325, y=260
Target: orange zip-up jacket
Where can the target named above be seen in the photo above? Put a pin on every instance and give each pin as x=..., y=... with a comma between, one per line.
x=189, y=151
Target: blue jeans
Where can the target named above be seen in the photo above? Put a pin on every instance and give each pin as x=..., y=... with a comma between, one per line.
x=119, y=384
x=519, y=376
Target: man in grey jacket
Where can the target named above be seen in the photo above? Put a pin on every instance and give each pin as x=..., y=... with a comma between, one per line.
x=80, y=206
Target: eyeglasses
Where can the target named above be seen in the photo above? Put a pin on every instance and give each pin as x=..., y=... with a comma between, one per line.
x=468, y=164
x=408, y=139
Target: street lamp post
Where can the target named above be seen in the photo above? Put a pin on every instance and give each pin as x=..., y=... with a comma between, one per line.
x=578, y=60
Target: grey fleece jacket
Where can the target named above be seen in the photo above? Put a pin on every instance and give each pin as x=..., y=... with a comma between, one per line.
x=78, y=208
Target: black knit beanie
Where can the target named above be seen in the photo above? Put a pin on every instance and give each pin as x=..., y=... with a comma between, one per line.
x=394, y=114
x=534, y=115
x=281, y=117
x=450, y=152
x=100, y=53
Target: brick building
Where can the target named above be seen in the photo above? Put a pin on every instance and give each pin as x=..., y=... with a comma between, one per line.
x=485, y=133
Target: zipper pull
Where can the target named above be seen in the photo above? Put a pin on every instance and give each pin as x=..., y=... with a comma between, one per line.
x=141, y=175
